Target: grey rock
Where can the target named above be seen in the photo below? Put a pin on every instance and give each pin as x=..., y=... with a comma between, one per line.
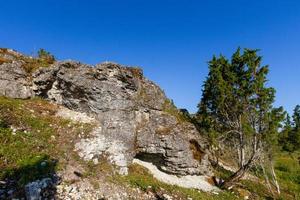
x=14, y=81
x=34, y=190
x=10, y=54
x=174, y=147
x=130, y=111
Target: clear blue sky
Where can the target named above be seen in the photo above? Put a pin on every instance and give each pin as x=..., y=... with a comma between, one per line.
x=171, y=40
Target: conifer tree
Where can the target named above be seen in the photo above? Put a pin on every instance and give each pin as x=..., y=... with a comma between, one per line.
x=294, y=136
x=236, y=103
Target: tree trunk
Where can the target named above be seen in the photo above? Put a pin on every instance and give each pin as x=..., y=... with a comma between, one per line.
x=266, y=178
x=242, y=153
x=241, y=143
x=234, y=178
x=275, y=178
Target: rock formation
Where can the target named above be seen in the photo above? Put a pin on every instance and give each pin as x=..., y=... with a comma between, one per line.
x=133, y=114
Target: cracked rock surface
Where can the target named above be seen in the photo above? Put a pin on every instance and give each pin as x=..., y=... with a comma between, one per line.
x=132, y=121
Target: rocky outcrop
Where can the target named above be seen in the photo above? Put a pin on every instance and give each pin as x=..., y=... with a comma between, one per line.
x=173, y=147
x=14, y=81
x=132, y=121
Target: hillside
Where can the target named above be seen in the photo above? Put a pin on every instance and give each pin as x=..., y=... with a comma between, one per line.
x=74, y=131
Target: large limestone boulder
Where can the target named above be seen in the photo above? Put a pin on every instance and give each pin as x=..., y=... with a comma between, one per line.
x=130, y=110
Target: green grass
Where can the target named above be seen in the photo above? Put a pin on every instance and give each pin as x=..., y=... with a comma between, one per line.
x=171, y=109
x=287, y=168
x=222, y=173
x=139, y=177
x=258, y=190
x=42, y=144
x=36, y=148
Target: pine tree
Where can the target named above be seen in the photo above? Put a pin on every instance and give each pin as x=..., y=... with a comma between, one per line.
x=237, y=104
x=294, y=136
x=296, y=117
x=286, y=133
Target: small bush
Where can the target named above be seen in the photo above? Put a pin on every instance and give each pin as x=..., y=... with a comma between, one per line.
x=44, y=59
x=46, y=56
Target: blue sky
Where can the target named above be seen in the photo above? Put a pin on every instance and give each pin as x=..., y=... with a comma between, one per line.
x=171, y=40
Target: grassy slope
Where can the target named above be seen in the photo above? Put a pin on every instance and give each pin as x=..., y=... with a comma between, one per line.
x=43, y=144
x=140, y=177
x=287, y=167
x=30, y=135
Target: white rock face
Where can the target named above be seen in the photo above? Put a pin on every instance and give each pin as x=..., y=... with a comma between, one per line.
x=98, y=145
x=196, y=182
x=66, y=113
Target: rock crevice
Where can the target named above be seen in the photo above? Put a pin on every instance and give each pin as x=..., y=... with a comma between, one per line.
x=128, y=108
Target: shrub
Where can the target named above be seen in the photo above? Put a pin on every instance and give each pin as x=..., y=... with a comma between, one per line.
x=44, y=59
x=46, y=56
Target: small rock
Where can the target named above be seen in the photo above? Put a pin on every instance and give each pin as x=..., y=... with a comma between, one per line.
x=43, y=164
x=33, y=190
x=95, y=161
x=10, y=192
x=77, y=174
x=167, y=197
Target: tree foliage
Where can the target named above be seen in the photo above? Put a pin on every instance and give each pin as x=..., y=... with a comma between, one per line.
x=290, y=135
x=237, y=104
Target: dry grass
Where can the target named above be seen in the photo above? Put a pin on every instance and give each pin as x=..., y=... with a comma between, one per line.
x=32, y=64
x=197, y=152
x=4, y=60
x=136, y=72
x=163, y=130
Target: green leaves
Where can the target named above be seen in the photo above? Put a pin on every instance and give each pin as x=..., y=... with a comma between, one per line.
x=290, y=136
x=296, y=117
x=236, y=89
